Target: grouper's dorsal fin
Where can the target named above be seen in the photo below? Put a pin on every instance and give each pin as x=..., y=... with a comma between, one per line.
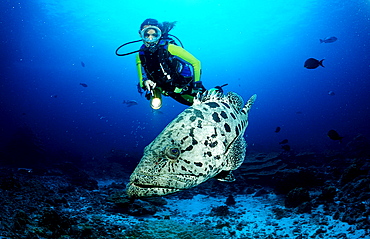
x=235, y=100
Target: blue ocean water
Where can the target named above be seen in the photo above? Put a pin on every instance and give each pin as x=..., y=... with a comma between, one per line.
x=257, y=47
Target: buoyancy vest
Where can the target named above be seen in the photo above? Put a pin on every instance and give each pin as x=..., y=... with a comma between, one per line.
x=163, y=68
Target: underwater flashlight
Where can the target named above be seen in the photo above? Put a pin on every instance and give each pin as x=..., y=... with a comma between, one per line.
x=156, y=99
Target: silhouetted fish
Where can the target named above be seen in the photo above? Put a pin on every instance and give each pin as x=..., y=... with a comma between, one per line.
x=284, y=141
x=331, y=93
x=82, y=64
x=328, y=40
x=83, y=84
x=130, y=103
x=277, y=130
x=332, y=134
x=286, y=147
x=312, y=63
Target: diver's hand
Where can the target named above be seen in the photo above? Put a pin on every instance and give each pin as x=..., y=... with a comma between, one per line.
x=149, y=85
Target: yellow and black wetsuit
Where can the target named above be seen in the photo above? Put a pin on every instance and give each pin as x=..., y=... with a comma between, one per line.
x=172, y=68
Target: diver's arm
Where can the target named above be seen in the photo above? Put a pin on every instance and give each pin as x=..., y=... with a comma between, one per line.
x=186, y=56
x=139, y=70
x=144, y=83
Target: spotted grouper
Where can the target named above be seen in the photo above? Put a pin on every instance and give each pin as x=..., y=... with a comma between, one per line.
x=204, y=141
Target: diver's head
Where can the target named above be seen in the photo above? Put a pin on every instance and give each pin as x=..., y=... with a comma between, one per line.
x=149, y=22
x=150, y=32
x=151, y=35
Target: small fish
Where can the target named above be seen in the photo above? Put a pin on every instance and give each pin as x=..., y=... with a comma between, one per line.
x=286, y=147
x=312, y=63
x=328, y=40
x=332, y=93
x=83, y=84
x=54, y=96
x=277, y=130
x=299, y=112
x=332, y=134
x=82, y=64
x=130, y=103
x=285, y=141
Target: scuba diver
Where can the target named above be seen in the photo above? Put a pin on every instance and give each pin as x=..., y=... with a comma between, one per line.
x=164, y=68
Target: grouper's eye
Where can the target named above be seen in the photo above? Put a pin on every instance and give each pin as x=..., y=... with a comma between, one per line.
x=172, y=152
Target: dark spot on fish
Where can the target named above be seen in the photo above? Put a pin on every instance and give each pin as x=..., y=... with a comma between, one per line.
x=206, y=142
x=187, y=161
x=217, y=157
x=183, y=168
x=199, y=124
x=189, y=148
x=226, y=105
x=213, y=144
x=227, y=127
x=223, y=114
x=215, y=134
x=192, y=118
x=198, y=164
x=191, y=133
x=198, y=113
x=232, y=115
x=215, y=117
x=194, y=142
x=209, y=154
x=180, y=118
x=213, y=104
x=237, y=130
x=210, y=167
x=243, y=111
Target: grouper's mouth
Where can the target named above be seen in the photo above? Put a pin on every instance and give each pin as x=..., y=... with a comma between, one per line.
x=137, y=190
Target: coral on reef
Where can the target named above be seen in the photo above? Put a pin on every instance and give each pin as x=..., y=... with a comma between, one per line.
x=169, y=229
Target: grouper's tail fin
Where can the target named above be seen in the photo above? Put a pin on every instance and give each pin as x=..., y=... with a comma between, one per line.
x=247, y=107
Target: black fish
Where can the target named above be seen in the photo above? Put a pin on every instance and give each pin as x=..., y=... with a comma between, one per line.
x=277, y=130
x=332, y=134
x=82, y=64
x=284, y=141
x=286, y=147
x=312, y=63
x=83, y=84
x=328, y=40
x=130, y=103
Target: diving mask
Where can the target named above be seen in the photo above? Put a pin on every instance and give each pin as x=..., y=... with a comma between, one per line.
x=151, y=34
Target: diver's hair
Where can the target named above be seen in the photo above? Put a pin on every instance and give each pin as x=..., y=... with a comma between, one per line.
x=166, y=27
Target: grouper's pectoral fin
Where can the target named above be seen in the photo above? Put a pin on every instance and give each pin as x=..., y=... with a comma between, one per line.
x=236, y=153
x=225, y=176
